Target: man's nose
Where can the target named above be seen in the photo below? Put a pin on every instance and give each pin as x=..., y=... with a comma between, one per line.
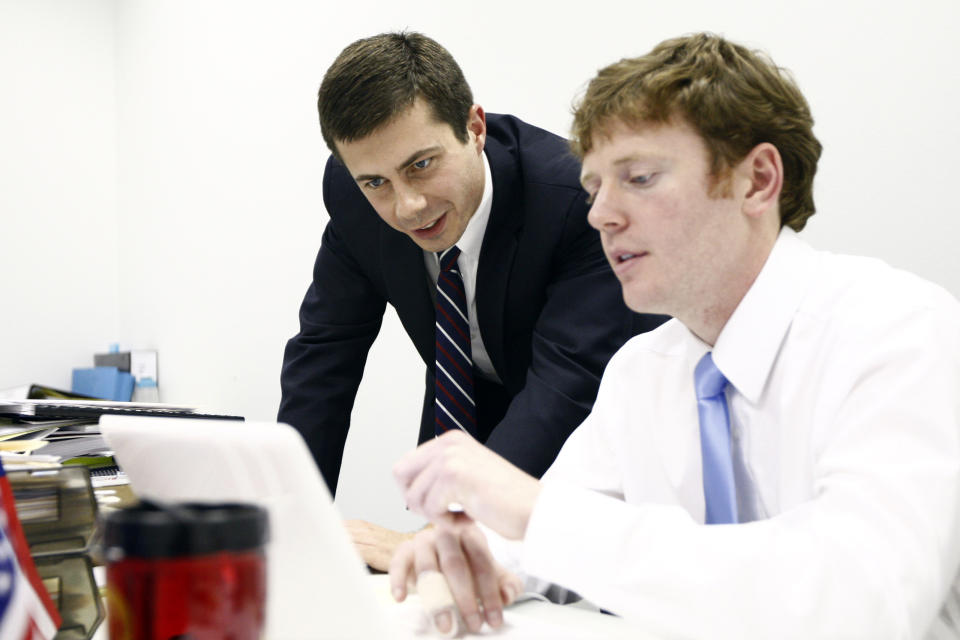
x=606, y=213
x=410, y=204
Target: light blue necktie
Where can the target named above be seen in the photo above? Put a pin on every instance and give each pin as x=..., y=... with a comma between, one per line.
x=719, y=487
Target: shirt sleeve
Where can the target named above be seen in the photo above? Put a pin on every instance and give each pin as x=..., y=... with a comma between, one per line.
x=871, y=555
x=584, y=460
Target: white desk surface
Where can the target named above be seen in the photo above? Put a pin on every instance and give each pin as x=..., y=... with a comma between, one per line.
x=527, y=620
x=530, y=620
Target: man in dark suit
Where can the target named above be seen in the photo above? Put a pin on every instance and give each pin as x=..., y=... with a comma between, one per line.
x=418, y=168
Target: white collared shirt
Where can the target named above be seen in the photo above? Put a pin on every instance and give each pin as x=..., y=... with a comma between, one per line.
x=469, y=244
x=845, y=402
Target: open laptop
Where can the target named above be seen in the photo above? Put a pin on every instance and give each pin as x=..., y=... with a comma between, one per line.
x=317, y=585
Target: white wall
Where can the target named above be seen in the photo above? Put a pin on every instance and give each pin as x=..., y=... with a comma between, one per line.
x=58, y=188
x=220, y=160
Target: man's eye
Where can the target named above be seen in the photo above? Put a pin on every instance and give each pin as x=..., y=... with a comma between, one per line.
x=590, y=198
x=422, y=164
x=375, y=183
x=644, y=179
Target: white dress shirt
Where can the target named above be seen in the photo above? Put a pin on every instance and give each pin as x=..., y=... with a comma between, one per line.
x=845, y=406
x=469, y=244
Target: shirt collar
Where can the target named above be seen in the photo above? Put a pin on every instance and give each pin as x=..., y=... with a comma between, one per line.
x=748, y=344
x=472, y=238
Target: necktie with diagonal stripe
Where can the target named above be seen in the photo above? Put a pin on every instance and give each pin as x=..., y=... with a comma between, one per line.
x=455, y=407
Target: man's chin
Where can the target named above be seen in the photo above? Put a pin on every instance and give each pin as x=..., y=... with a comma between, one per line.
x=433, y=245
x=641, y=303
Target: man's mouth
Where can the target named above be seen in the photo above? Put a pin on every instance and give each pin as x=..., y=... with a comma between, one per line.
x=431, y=229
x=622, y=261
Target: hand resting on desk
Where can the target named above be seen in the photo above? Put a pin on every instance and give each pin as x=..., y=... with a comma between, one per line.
x=457, y=550
x=375, y=544
x=456, y=469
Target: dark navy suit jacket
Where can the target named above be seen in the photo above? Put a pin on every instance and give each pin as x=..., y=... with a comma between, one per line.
x=549, y=308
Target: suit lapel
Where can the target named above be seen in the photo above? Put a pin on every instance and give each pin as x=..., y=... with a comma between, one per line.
x=408, y=289
x=497, y=252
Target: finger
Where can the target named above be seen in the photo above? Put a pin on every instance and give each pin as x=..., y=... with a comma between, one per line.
x=446, y=488
x=425, y=560
x=430, y=492
x=456, y=569
x=438, y=603
x=358, y=531
x=375, y=544
x=377, y=558
x=445, y=485
x=361, y=527
x=411, y=464
x=401, y=571
x=511, y=586
x=485, y=573
x=424, y=552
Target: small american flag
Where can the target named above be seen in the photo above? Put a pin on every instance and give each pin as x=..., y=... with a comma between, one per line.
x=26, y=610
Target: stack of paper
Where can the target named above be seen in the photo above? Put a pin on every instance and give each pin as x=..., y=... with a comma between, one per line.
x=52, y=431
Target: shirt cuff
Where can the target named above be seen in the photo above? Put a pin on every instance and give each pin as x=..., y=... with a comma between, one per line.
x=505, y=552
x=564, y=518
x=576, y=536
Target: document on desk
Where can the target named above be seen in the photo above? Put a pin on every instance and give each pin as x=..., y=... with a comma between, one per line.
x=24, y=431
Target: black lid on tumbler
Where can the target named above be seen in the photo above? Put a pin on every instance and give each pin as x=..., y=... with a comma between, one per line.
x=155, y=530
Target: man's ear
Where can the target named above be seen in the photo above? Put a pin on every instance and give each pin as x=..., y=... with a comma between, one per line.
x=477, y=127
x=763, y=171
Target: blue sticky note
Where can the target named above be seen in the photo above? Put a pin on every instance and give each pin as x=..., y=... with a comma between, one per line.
x=107, y=383
x=123, y=390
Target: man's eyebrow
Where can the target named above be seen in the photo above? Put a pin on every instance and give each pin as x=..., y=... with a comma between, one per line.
x=416, y=154
x=633, y=157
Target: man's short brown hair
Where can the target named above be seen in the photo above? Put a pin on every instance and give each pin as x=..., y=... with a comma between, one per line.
x=377, y=78
x=734, y=97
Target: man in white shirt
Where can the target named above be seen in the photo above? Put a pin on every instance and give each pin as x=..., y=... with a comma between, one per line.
x=813, y=491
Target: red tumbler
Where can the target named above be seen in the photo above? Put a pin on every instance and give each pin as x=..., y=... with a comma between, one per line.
x=192, y=571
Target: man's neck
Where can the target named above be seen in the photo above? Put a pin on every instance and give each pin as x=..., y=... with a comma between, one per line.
x=707, y=320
